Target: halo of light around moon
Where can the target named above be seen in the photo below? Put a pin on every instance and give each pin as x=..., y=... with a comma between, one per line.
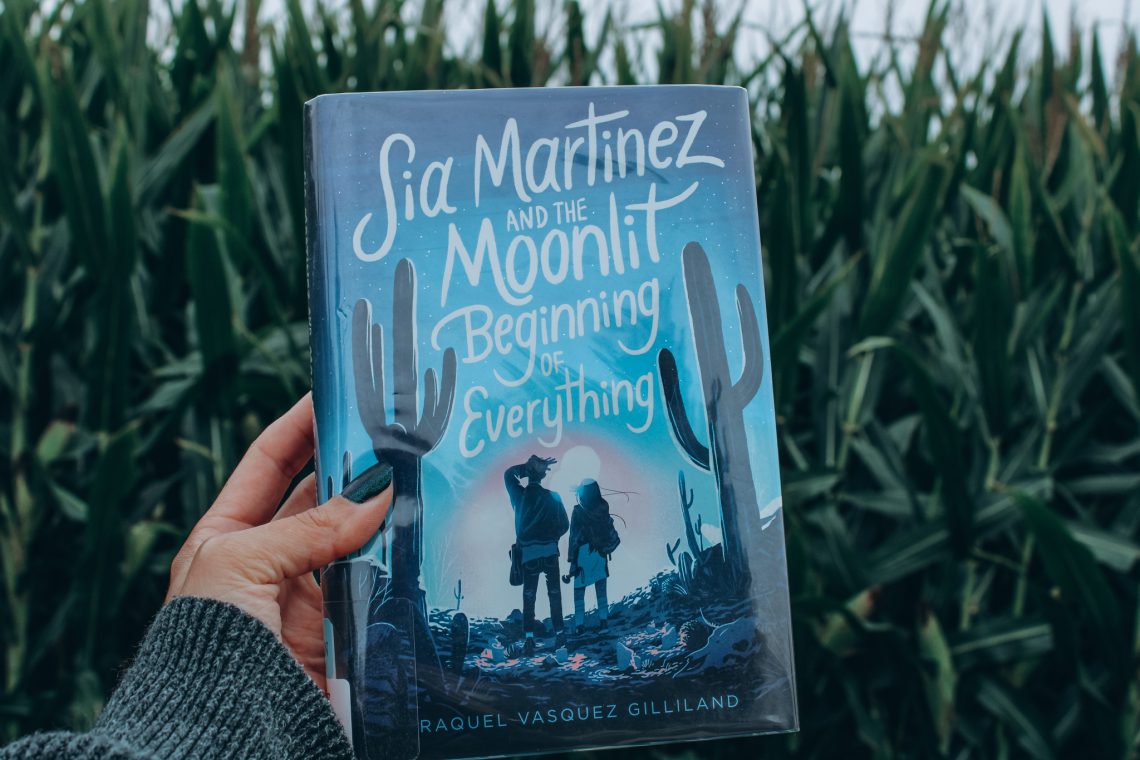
x=577, y=464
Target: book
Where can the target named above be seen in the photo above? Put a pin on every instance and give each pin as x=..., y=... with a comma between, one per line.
x=545, y=309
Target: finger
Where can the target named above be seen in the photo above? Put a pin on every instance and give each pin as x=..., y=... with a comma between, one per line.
x=260, y=479
x=242, y=501
x=293, y=546
x=304, y=497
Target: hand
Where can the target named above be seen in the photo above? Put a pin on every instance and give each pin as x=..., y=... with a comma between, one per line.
x=538, y=466
x=242, y=553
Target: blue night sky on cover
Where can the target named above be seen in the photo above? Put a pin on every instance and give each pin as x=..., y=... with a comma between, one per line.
x=468, y=518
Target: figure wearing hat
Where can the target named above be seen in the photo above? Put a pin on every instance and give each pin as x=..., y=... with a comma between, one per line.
x=540, y=520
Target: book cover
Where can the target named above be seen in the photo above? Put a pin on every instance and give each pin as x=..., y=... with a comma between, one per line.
x=545, y=309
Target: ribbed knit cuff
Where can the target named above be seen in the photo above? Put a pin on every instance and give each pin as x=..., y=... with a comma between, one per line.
x=211, y=681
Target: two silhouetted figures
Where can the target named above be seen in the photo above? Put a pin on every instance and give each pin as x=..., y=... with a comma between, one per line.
x=540, y=522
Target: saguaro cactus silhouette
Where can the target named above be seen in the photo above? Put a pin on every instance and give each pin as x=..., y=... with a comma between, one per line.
x=727, y=452
x=413, y=431
x=686, y=507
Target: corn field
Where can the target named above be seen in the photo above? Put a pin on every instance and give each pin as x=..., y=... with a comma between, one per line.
x=953, y=280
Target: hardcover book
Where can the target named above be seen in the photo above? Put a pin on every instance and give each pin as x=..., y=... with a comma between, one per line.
x=545, y=309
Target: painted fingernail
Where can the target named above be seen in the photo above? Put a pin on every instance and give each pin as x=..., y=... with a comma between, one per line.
x=368, y=483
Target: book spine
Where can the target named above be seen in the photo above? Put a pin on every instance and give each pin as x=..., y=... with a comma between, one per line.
x=315, y=277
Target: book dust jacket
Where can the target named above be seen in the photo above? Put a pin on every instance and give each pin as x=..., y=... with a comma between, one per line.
x=545, y=309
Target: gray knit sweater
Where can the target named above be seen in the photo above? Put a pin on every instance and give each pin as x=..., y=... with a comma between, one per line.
x=209, y=681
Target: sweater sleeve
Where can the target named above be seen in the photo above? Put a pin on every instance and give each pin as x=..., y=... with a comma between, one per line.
x=512, y=480
x=208, y=681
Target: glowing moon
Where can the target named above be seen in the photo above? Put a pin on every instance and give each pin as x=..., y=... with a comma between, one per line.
x=577, y=464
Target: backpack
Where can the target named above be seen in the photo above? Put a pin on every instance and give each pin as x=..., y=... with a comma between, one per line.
x=608, y=540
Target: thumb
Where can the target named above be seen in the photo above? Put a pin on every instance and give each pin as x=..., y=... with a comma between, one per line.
x=302, y=543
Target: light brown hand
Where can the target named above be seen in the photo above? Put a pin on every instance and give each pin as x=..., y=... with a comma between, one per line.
x=243, y=553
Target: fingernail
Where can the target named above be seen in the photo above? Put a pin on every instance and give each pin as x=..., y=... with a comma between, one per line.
x=368, y=483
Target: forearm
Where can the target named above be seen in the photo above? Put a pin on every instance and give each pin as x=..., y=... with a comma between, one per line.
x=208, y=681
x=512, y=480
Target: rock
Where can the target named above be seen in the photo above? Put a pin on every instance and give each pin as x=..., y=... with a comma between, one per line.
x=548, y=662
x=626, y=658
x=515, y=618
x=562, y=654
x=669, y=638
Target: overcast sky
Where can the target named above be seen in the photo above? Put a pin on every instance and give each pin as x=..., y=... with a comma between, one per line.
x=979, y=26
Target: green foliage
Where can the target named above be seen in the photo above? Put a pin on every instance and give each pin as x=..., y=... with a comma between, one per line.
x=953, y=280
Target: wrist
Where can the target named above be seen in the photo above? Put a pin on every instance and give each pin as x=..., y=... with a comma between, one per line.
x=208, y=674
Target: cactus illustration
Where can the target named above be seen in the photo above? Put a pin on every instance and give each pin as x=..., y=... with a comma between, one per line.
x=413, y=430
x=460, y=637
x=375, y=654
x=345, y=475
x=671, y=550
x=685, y=572
x=686, y=507
x=726, y=454
x=698, y=567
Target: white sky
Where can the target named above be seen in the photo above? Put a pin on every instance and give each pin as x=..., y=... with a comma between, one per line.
x=979, y=27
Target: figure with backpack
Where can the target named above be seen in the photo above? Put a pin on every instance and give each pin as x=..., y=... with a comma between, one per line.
x=540, y=520
x=593, y=539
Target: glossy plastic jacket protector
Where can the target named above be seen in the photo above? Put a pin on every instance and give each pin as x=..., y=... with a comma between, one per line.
x=545, y=309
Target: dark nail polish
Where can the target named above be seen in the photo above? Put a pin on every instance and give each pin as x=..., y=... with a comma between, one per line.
x=368, y=483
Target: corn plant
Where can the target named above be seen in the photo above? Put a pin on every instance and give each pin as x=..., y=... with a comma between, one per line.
x=953, y=290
